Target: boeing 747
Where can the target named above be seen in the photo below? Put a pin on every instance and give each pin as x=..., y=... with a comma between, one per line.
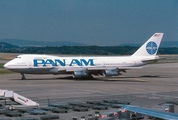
x=82, y=67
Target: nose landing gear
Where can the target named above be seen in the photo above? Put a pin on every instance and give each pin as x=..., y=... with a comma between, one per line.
x=23, y=76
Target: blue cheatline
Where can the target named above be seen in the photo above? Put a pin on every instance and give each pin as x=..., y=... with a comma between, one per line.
x=151, y=48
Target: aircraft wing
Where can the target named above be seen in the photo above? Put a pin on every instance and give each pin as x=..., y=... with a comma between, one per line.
x=108, y=71
x=152, y=113
x=98, y=68
x=119, y=68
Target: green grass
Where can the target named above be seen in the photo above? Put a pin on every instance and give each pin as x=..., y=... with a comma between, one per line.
x=4, y=71
x=1, y=65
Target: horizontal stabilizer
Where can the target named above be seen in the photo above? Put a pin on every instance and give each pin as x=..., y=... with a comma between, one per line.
x=151, y=60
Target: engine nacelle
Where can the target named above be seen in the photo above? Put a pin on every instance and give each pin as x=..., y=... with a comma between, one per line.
x=80, y=74
x=113, y=72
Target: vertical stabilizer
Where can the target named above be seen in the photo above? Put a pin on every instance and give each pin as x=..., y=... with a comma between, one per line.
x=150, y=47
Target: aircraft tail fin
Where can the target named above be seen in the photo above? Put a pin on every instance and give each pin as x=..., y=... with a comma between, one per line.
x=150, y=47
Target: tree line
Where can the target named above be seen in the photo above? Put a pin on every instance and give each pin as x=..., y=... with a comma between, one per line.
x=88, y=50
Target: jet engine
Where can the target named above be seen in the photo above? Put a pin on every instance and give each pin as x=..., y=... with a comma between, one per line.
x=80, y=74
x=113, y=72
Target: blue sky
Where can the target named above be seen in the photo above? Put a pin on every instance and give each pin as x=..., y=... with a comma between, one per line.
x=92, y=22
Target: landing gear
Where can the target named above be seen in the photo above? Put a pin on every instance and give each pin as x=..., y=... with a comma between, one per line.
x=23, y=76
x=90, y=77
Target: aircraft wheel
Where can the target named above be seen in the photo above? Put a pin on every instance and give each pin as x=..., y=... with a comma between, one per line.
x=23, y=77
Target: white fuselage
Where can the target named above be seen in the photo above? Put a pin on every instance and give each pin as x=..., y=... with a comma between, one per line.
x=47, y=64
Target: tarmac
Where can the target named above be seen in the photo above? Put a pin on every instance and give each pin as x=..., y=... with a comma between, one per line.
x=152, y=85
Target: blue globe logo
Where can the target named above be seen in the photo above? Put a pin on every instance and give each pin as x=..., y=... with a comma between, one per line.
x=151, y=47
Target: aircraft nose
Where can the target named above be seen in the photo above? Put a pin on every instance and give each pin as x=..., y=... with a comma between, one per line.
x=6, y=65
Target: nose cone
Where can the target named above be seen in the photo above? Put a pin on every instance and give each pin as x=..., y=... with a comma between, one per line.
x=6, y=65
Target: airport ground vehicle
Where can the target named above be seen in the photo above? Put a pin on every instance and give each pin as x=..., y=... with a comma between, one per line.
x=113, y=114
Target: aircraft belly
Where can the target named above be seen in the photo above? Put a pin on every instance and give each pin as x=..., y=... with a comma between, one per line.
x=33, y=70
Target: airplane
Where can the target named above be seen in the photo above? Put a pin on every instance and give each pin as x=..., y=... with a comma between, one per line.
x=86, y=67
x=150, y=112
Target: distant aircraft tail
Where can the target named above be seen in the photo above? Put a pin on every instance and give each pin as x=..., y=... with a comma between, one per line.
x=150, y=47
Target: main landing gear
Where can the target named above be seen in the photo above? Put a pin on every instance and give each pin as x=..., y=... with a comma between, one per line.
x=23, y=76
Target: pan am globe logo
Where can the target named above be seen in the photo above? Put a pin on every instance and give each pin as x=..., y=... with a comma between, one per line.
x=151, y=48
